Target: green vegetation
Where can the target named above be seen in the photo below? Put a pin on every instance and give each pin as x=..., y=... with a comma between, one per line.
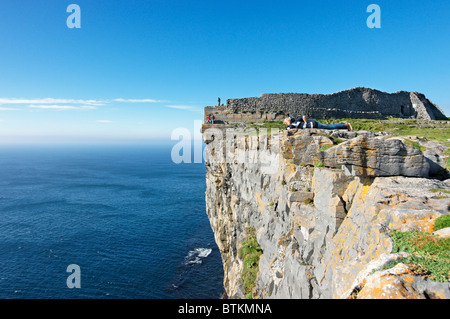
x=250, y=252
x=326, y=147
x=442, y=222
x=235, y=111
x=416, y=145
x=336, y=140
x=255, y=128
x=440, y=190
x=308, y=201
x=437, y=190
x=319, y=164
x=269, y=125
x=447, y=152
x=271, y=203
x=431, y=130
x=430, y=255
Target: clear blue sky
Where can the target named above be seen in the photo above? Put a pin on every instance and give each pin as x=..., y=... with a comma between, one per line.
x=138, y=69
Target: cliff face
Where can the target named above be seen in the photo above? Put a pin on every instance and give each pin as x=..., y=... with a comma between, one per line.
x=322, y=204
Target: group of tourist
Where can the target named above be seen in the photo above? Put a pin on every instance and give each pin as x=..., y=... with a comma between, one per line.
x=302, y=123
x=210, y=119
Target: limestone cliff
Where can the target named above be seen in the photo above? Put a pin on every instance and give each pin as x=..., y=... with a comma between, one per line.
x=322, y=204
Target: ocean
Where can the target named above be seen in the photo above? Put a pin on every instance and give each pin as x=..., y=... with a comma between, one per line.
x=133, y=222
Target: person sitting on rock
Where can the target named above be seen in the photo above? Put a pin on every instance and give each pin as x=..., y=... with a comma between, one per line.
x=302, y=123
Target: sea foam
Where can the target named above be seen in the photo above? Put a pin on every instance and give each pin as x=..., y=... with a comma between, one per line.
x=195, y=256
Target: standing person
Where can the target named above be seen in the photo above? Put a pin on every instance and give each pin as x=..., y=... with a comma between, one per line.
x=303, y=123
x=212, y=119
x=208, y=119
x=218, y=100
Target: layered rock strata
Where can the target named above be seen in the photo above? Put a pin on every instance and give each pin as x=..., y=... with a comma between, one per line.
x=323, y=204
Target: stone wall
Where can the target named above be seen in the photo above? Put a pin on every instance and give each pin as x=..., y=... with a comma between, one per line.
x=224, y=116
x=353, y=103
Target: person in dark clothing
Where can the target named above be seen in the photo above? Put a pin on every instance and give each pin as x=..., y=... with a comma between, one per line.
x=218, y=100
x=302, y=123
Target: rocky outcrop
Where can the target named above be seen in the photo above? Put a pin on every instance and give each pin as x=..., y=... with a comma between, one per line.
x=354, y=103
x=362, y=155
x=323, y=204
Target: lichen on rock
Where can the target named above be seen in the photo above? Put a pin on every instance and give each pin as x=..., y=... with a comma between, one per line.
x=320, y=229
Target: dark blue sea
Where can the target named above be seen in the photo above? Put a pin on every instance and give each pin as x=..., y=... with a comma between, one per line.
x=131, y=219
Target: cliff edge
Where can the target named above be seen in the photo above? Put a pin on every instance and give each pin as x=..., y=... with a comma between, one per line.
x=314, y=213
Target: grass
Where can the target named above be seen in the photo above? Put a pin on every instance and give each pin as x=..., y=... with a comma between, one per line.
x=447, y=152
x=416, y=145
x=235, y=111
x=250, y=252
x=442, y=222
x=437, y=190
x=269, y=124
x=440, y=190
x=326, y=147
x=319, y=164
x=430, y=255
x=360, y=124
x=431, y=130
